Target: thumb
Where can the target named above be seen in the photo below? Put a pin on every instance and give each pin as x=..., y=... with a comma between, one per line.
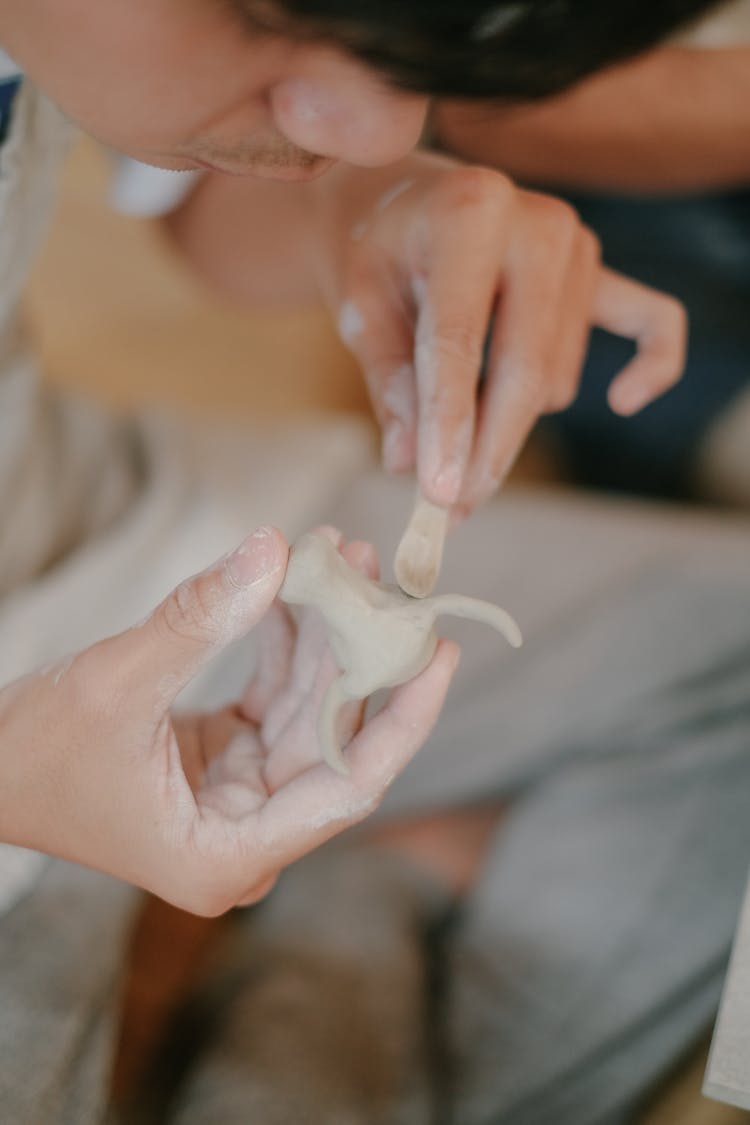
x=204, y=614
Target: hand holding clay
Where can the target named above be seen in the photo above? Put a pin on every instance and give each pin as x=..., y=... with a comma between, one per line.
x=202, y=809
x=379, y=636
x=440, y=272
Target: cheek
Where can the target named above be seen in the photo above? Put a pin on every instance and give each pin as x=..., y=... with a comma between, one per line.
x=141, y=74
x=141, y=118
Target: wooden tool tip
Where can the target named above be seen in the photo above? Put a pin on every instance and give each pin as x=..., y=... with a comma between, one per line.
x=420, y=552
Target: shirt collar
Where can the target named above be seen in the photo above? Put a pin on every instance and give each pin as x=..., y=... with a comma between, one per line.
x=8, y=69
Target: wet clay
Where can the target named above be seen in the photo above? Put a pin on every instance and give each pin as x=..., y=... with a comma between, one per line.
x=379, y=636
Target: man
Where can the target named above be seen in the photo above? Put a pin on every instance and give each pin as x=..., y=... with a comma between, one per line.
x=414, y=252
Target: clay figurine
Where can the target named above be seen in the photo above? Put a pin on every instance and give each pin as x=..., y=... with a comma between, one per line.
x=380, y=637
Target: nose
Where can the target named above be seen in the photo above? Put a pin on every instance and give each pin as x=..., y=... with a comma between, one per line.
x=336, y=107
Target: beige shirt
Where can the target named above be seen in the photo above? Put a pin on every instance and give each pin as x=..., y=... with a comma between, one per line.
x=100, y=518
x=727, y=26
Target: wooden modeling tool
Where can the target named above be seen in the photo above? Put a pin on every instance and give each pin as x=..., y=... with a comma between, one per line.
x=420, y=552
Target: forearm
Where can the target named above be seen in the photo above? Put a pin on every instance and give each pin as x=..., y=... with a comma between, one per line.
x=676, y=120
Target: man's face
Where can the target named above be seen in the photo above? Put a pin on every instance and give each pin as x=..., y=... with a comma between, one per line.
x=182, y=84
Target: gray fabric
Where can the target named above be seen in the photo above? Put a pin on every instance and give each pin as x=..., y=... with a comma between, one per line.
x=590, y=956
x=61, y=957
x=592, y=951
x=728, y=1070
x=319, y=1007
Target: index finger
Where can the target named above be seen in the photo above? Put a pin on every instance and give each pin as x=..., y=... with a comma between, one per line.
x=469, y=235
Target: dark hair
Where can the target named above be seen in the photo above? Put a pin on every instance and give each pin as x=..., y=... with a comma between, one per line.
x=515, y=49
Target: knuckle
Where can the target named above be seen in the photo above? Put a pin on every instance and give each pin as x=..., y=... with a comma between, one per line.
x=674, y=317
x=562, y=215
x=592, y=244
x=556, y=226
x=563, y=397
x=474, y=187
x=556, y=213
x=187, y=613
x=460, y=344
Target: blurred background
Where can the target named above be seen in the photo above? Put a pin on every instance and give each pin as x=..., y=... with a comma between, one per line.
x=119, y=317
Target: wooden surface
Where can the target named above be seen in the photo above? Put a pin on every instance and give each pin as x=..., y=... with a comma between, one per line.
x=120, y=318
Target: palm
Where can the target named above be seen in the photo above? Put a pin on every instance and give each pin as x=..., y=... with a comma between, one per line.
x=236, y=759
x=223, y=758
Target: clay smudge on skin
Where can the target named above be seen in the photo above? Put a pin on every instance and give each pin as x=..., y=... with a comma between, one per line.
x=392, y=194
x=360, y=229
x=445, y=467
x=424, y=342
x=62, y=670
x=399, y=396
x=419, y=289
x=351, y=323
x=400, y=402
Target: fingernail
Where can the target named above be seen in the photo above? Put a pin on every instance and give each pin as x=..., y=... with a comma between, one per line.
x=254, y=560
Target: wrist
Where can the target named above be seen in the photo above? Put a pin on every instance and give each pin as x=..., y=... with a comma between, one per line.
x=25, y=774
